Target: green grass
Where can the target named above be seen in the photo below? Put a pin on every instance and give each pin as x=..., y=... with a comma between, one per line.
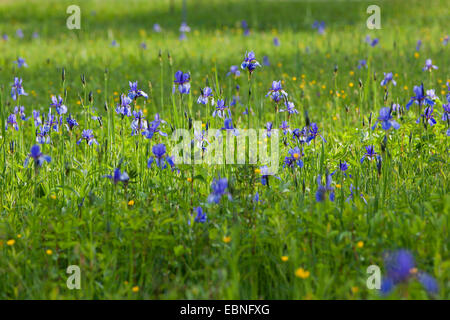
x=84, y=220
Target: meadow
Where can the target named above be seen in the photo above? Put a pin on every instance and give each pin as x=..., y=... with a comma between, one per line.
x=362, y=177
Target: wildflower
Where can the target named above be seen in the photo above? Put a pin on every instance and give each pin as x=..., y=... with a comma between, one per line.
x=250, y=62
x=159, y=151
x=313, y=133
x=21, y=63
x=38, y=157
x=35, y=35
x=19, y=33
x=49, y=252
x=43, y=134
x=58, y=104
x=118, y=176
x=373, y=42
x=266, y=61
x=114, y=43
x=244, y=26
x=370, y=153
x=182, y=80
x=294, y=158
x=290, y=108
x=87, y=135
x=226, y=239
x=153, y=128
x=429, y=65
x=71, y=122
x=200, y=217
x=265, y=173
x=300, y=135
x=284, y=258
x=228, y=126
x=400, y=268
x=12, y=121
x=323, y=190
x=5, y=37
x=385, y=119
x=445, y=40
x=350, y=197
x=218, y=189
x=418, y=45
x=301, y=273
x=362, y=63
x=276, y=42
x=360, y=244
x=134, y=92
x=419, y=98
x=276, y=89
x=269, y=126
x=428, y=116
x=206, y=95
x=135, y=289
x=184, y=27
x=285, y=127
x=235, y=71
x=157, y=27
x=124, y=108
x=10, y=242
x=342, y=167
x=320, y=26
x=388, y=77
x=202, y=139
x=17, y=89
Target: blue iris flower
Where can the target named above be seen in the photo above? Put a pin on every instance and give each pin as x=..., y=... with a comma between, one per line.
x=385, y=119
x=38, y=157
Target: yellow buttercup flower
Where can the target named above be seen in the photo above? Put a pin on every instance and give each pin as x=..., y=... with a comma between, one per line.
x=360, y=244
x=301, y=273
x=11, y=242
x=135, y=289
x=131, y=203
x=284, y=258
x=189, y=179
x=49, y=252
x=338, y=186
x=355, y=289
x=226, y=239
x=257, y=170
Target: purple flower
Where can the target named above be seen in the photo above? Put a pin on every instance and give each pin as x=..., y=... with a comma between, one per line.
x=266, y=61
x=322, y=190
x=269, y=126
x=57, y=102
x=370, y=154
x=276, y=42
x=118, y=176
x=388, y=77
x=428, y=116
x=87, y=135
x=313, y=133
x=342, y=167
x=419, y=98
x=429, y=65
x=124, y=108
x=320, y=26
x=21, y=112
x=350, y=197
x=71, y=122
x=21, y=63
x=153, y=128
x=5, y=37
x=265, y=173
x=157, y=27
x=294, y=158
x=290, y=108
x=220, y=109
x=114, y=43
x=134, y=92
x=17, y=89
x=250, y=62
x=362, y=63
x=418, y=45
x=445, y=40
x=385, y=119
x=228, y=126
x=276, y=91
x=19, y=33
x=200, y=217
x=184, y=27
x=43, y=134
x=428, y=282
x=182, y=80
x=159, y=151
x=38, y=157
x=235, y=71
x=12, y=121
x=206, y=95
x=285, y=127
x=373, y=42
x=218, y=189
